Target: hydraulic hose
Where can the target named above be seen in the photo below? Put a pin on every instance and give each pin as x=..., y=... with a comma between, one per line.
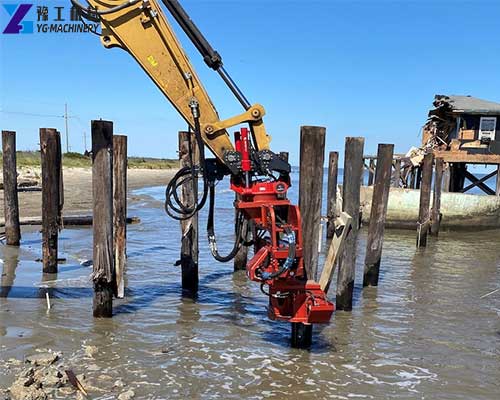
x=174, y=206
x=212, y=240
x=289, y=260
x=89, y=10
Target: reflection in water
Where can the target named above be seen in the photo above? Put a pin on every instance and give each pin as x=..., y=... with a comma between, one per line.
x=10, y=263
x=424, y=332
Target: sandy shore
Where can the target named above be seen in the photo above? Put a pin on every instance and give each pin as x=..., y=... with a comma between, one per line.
x=78, y=189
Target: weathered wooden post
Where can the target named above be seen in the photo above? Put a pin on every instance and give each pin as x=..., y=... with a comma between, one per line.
x=397, y=172
x=50, y=150
x=102, y=191
x=10, y=198
x=425, y=200
x=436, y=200
x=331, y=206
x=120, y=210
x=312, y=155
x=353, y=161
x=377, y=215
x=371, y=171
x=446, y=177
x=189, y=156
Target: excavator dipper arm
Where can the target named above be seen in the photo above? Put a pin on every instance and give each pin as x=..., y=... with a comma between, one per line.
x=259, y=177
x=140, y=28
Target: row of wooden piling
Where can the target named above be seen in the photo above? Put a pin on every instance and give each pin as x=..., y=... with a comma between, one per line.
x=109, y=188
x=109, y=156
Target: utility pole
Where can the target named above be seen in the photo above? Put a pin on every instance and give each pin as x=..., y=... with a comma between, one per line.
x=66, y=122
x=85, y=140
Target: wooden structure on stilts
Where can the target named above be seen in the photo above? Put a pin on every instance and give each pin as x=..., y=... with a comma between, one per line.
x=463, y=131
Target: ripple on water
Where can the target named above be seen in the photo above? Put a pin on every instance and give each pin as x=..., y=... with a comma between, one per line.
x=422, y=331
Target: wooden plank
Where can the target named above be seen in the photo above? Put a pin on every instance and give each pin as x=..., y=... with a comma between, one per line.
x=312, y=154
x=343, y=226
x=378, y=215
x=68, y=220
x=23, y=183
x=331, y=207
x=50, y=150
x=353, y=162
x=189, y=156
x=436, y=200
x=469, y=158
x=120, y=210
x=425, y=200
x=103, y=274
x=11, y=201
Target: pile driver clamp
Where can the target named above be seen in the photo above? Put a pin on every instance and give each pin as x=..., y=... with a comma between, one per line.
x=258, y=175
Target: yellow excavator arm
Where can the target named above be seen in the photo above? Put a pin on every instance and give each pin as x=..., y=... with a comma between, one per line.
x=141, y=28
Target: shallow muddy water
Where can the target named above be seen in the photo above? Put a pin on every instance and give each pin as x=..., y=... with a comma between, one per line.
x=424, y=332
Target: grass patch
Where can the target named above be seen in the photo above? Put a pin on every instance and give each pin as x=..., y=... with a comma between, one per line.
x=152, y=163
x=78, y=160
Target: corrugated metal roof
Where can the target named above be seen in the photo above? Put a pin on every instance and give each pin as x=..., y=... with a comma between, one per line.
x=468, y=105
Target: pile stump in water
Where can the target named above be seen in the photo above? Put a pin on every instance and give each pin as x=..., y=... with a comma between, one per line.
x=378, y=214
x=312, y=155
x=11, y=201
x=189, y=157
x=103, y=274
x=353, y=167
x=120, y=209
x=52, y=198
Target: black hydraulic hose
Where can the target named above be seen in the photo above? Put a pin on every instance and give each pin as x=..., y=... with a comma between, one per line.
x=212, y=241
x=289, y=260
x=174, y=206
x=90, y=10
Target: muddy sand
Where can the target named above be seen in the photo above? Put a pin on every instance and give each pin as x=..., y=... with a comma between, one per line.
x=78, y=189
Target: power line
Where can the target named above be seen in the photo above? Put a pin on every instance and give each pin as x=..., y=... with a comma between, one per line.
x=65, y=116
x=31, y=114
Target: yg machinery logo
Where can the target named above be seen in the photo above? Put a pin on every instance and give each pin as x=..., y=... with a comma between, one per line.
x=17, y=24
x=48, y=19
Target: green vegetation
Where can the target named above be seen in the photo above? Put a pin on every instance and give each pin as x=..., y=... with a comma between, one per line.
x=78, y=160
x=152, y=163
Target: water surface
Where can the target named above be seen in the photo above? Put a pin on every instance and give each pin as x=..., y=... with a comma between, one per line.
x=424, y=332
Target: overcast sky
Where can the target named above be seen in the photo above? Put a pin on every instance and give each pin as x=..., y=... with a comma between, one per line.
x=360, y=68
